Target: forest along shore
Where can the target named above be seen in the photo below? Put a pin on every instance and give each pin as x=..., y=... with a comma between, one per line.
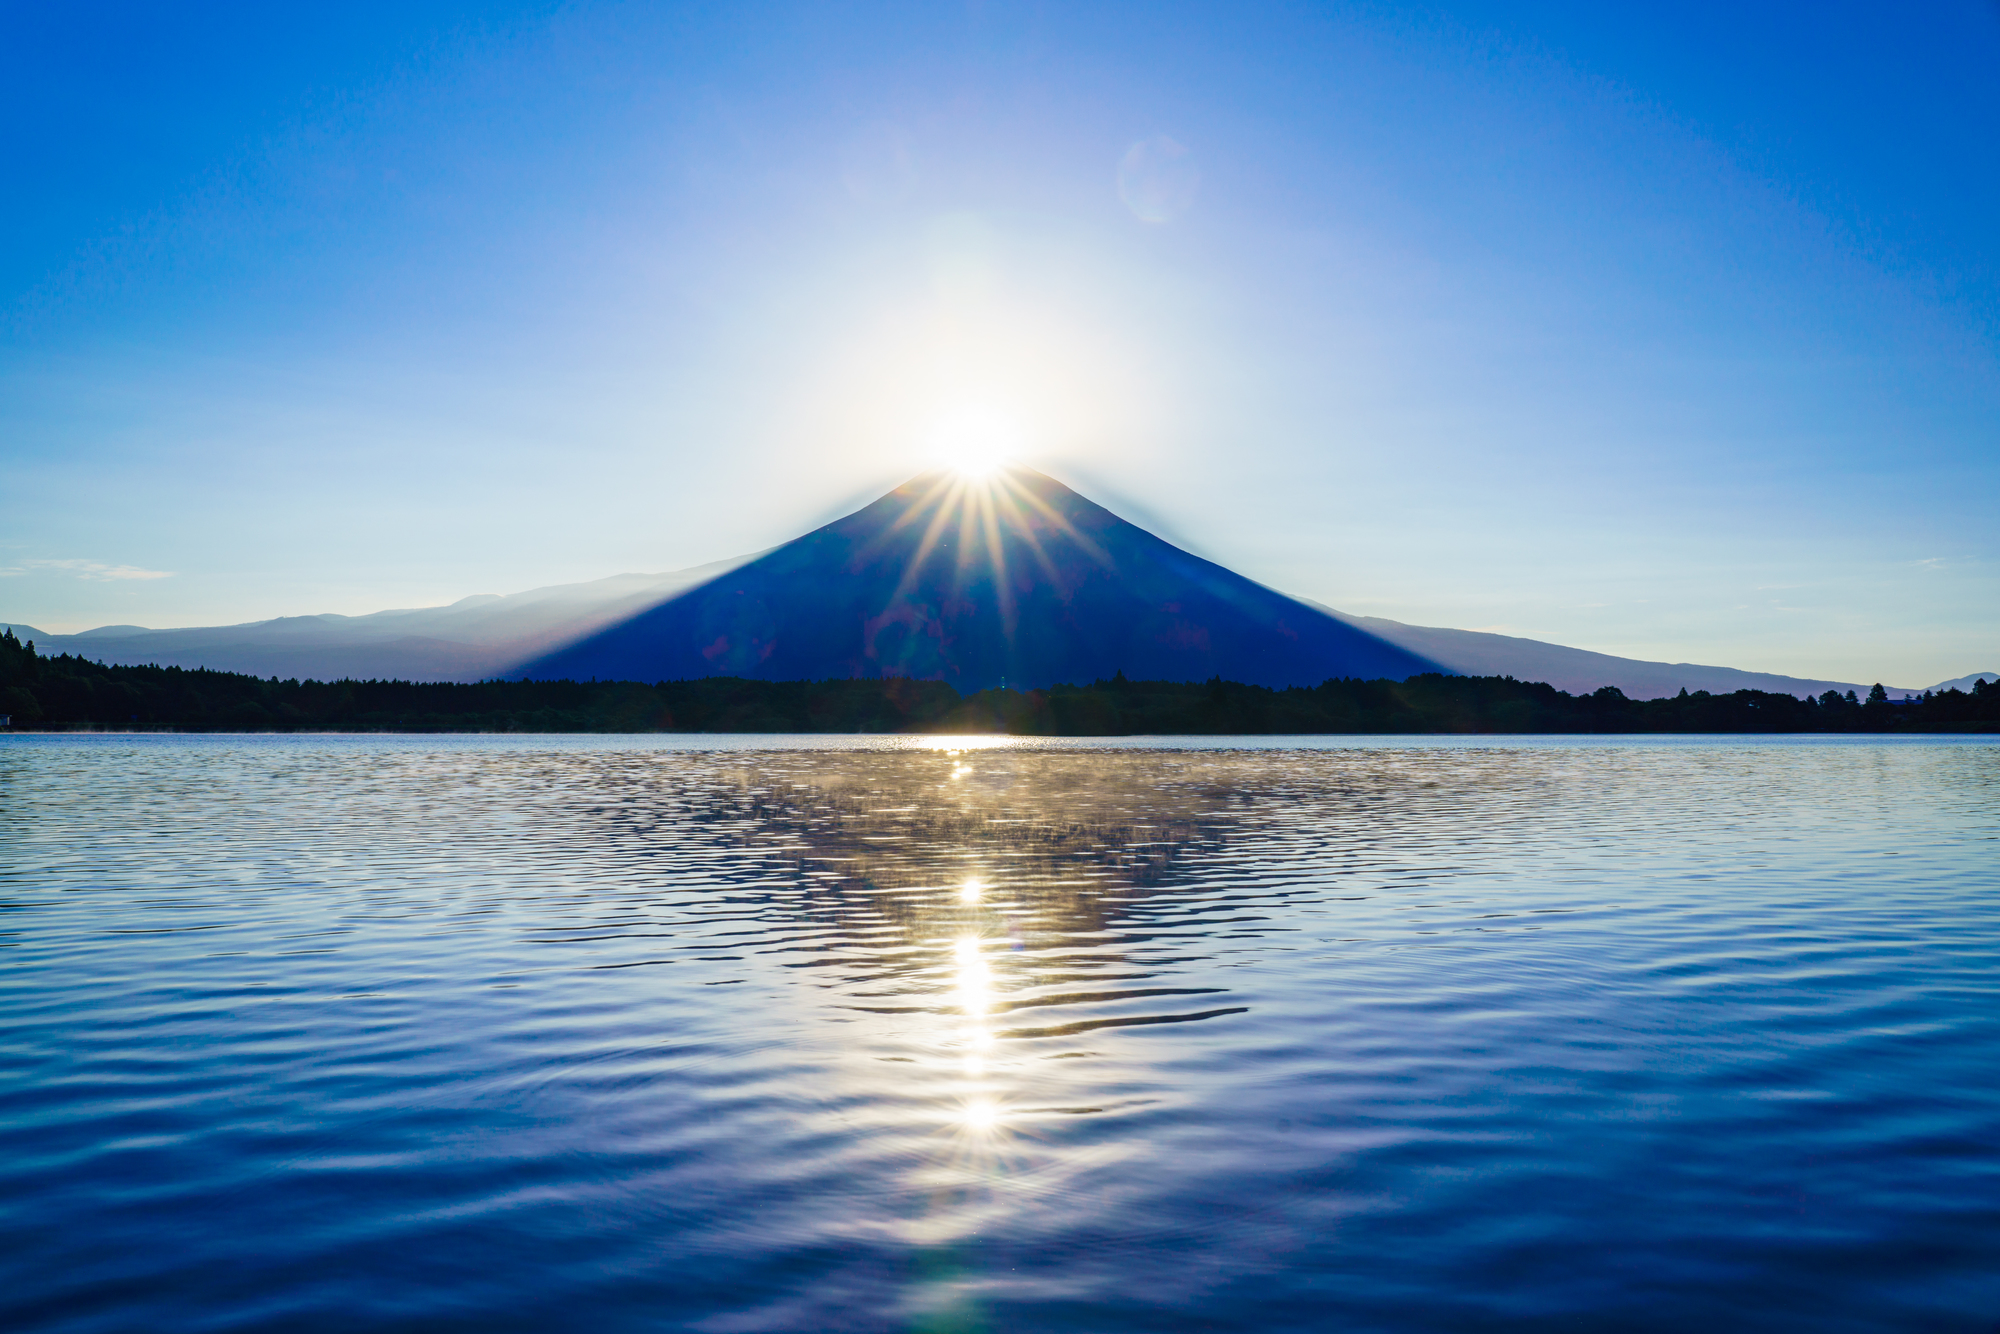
x=68, y=693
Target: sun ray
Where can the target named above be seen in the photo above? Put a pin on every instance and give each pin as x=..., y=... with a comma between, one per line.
x=968, y=530
x=1025, y=529
x=1003, y=590
x=928, y=544
x=939, y=494
x=1056, y=518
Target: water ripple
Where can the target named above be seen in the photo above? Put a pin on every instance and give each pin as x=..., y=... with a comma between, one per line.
x=531, y=1033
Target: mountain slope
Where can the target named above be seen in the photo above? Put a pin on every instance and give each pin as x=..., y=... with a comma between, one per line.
x=472, y=639
x=1579, y=671
x=1966, y=682
x=1017, y=581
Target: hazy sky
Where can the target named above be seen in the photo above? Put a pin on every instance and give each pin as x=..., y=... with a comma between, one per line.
x=1671, y=331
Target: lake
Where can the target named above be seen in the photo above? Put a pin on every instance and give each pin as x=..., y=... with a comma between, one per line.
x=873, y=1033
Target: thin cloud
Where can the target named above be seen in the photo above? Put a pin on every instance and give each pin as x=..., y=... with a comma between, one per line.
x=94, y=570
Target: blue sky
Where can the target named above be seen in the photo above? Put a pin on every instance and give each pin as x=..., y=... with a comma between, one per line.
x=1667, y=330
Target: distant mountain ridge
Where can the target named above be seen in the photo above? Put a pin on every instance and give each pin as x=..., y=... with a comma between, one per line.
x=473, y=639
x=1579, y=671
x=605, y=624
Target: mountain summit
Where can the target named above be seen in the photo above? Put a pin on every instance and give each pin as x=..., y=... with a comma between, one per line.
x=1011, y=579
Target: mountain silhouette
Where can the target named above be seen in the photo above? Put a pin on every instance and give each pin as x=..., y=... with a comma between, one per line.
x=484, y=636
x=1013, y=579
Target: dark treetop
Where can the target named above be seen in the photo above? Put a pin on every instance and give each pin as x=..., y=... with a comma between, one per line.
x=71, y=693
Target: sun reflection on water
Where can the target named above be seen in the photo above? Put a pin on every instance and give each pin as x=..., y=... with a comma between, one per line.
x=975, y=979
x=976, y=888
x=956, y=744
x=971, y=899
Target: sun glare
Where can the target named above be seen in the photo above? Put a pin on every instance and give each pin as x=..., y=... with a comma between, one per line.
x=975, y=444
x=981, y=1114
x=975, y=979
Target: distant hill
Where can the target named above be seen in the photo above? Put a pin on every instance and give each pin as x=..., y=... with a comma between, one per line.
x=472, y=639
x=1579, y=671
x=1966, y=682
x=1016, y=580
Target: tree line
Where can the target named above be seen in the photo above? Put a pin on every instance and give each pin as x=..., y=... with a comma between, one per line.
x=73, y=693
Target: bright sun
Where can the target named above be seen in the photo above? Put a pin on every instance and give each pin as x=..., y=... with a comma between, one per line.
x=975, y=444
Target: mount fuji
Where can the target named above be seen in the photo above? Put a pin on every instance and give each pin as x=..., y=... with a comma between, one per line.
x=1007, y=579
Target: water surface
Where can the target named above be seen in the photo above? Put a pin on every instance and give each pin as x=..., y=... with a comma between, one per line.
x=304, y=1033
